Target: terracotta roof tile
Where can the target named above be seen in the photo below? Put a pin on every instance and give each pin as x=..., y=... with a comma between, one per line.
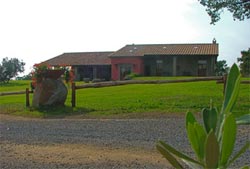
x=167, y=49
x=81, y=58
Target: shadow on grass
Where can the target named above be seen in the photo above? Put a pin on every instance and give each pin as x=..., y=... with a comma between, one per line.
x=43, y=112
x=61, y=111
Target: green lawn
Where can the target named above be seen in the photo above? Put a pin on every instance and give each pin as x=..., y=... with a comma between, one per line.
x=130, y=99
x=15, y=86
x=163, y=78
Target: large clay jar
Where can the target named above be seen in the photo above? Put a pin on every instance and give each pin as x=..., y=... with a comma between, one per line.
x=50, y=91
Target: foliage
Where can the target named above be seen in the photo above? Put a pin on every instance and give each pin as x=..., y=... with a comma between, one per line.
x=40, y=70
x=245, y=63
x=69, y=75
x=10, y=68
x=212, y=143
x=239, y=8
x=131, y=76
x=221, y=68
x=25, y=77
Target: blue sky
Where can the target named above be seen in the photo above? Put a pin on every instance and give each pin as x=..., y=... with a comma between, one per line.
x=37, y=30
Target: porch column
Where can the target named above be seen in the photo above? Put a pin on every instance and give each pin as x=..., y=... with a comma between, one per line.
x=212, y=68
x=94, y=72
x=174, y=65
x=77, y=76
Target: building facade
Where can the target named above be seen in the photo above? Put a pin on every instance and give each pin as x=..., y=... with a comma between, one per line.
x=146, y=60
x=165, y=60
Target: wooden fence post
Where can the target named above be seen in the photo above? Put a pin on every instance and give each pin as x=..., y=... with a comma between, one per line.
x=224, y=83
x=27, y=97
x=73, y=97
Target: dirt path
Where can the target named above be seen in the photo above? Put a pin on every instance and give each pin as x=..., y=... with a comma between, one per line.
x=72, y=143
x=78, y=156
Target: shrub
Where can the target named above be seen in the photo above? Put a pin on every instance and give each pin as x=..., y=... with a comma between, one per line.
x=131, y=76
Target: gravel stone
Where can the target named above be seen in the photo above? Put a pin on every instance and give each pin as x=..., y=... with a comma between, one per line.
x=115, y=133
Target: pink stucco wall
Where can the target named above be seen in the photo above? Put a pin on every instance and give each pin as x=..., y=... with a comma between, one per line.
x=138, y=66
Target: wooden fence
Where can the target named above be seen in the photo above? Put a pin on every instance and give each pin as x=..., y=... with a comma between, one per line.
x=219, y=79
x=26, y=92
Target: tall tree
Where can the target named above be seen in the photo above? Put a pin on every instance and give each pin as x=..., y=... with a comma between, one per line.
x=10, y=68
x=244, y=61
x=221, y=68
x=239, y=8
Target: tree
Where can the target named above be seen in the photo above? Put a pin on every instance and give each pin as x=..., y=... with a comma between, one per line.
x=221, y=68
x=245, y=62
x=239, y=8
x=25, y=77
x=10, y=68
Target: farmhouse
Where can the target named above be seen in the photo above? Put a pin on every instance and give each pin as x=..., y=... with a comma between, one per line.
x=165, y=60
x=147, y=60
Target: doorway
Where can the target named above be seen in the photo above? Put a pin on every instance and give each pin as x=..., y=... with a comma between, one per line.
x=125, y=69
x=202, y=68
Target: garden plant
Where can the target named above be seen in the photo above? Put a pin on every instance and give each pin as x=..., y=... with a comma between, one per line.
x=213, y=142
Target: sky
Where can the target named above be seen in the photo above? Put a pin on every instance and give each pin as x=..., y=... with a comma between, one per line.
x=37, y=30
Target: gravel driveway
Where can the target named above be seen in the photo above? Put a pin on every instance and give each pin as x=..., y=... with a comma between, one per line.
x=94, y=143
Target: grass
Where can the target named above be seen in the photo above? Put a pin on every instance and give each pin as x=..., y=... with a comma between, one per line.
x=129, y=99
x=162, y=78
x=14, y=85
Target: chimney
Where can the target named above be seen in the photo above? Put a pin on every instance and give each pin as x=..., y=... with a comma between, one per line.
x=214, y=41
